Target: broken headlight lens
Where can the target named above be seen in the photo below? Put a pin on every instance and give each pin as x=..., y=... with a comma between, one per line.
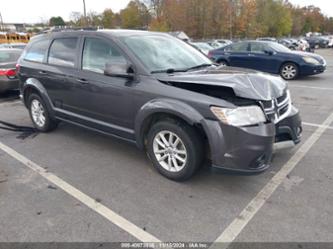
x=240, y=116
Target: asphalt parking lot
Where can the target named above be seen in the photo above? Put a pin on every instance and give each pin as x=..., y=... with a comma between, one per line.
x=75, y=185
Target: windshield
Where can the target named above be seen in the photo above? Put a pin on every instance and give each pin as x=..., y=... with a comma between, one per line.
x=279, y=48
x=163, y=52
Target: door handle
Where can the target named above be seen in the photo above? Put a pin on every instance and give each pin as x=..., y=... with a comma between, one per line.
x=42, y=72
x=250, y=54
x=83, y=81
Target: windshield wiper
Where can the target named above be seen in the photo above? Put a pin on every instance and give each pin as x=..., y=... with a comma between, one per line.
x=200, y=66
x=172, y=70
x=169, y=70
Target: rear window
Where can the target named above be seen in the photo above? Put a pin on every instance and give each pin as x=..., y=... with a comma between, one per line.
x=63, y=52
x=239, y=47
x=37, y=51
x=9, y=56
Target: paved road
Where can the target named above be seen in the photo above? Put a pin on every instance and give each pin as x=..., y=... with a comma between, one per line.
x=114, y=194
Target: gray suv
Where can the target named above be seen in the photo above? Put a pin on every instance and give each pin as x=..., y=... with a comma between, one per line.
x=160, y=93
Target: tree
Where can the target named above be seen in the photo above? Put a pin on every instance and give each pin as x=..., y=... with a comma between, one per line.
x=76, y=19
x=57, y=21
x=213, y=18
x=135, y=15
x=108, y=18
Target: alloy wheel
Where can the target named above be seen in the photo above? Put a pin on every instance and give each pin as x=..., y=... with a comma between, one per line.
x=170, y=151
x=38, y=113
x=289, y=72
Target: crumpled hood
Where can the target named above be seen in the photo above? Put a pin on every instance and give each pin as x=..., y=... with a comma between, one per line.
x=245, y=83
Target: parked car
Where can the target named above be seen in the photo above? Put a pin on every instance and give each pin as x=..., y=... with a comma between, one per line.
x=219, y=43
x=8, y=59
x=304, y=45
x=272, y=39
x=288, y=43
x=270, y=57
x=13, y=45
x=202, y=47
x=160, y=93
x=224, y=41
x=317, y=42
x=330, y=41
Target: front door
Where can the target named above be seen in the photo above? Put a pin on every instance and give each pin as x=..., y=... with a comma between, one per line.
x=262, y=58
x=100, y=98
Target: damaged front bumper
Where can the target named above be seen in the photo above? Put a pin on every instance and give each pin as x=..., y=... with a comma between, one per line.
x=248, y=150
x=290, y=128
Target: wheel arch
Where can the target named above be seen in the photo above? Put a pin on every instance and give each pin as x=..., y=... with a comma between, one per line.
x=220, y=59
x=160, y=109
x=31, y=86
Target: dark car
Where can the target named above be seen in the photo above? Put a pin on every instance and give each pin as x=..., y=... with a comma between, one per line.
x=8, y=78
x=288, y=43
x=269, y=57
x=161, y=94
x=316, y=42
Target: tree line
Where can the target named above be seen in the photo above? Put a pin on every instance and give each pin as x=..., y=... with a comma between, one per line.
x=213, y=18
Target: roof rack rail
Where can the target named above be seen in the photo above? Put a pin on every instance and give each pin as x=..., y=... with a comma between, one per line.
x=69, y=28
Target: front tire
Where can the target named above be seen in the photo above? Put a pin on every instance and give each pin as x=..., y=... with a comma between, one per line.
x=175, y=149
x=289, y=71
x=39, y=114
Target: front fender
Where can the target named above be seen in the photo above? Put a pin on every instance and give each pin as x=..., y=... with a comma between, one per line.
x=163, y=106
x=36, y=86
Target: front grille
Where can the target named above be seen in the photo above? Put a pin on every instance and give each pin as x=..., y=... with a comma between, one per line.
x=279, y=108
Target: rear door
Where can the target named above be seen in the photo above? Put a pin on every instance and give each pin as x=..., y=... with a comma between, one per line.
x=238, y=54
x=62, y=61
x=34, y=58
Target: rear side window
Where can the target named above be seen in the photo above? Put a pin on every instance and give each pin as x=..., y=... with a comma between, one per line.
x=63, y=52
x=98, y=53
x=37, y=51
x=258, y=47
x=239, y=47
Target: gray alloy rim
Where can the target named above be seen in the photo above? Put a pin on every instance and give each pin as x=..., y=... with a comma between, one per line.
x=223, y=63
x=38, y=113
x=170, y=151
x=289, y=71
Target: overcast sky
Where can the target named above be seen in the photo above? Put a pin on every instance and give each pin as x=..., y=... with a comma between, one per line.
x=31, y=11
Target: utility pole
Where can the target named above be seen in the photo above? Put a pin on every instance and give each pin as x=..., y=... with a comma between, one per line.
x=84, y=12
x=231, y=7
x=2, y=28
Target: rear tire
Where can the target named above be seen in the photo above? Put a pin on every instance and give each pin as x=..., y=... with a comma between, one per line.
x=175, y=149
x=39, y=114
x=223, y=63
x=289, y=71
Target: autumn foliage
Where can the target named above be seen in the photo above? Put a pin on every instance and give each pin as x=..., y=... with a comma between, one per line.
x=216, y=18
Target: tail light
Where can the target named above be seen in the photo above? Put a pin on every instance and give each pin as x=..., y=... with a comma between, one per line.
x=8, y=72
x=210, y=54
x=18, y=67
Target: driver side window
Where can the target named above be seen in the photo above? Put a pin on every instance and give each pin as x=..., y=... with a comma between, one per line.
x=97, y=53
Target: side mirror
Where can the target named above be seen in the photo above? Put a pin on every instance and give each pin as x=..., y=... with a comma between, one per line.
x=269, y=52
x=120, y=69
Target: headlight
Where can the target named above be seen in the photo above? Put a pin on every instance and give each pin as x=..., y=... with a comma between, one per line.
x=240, y=116
x=311, y=60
